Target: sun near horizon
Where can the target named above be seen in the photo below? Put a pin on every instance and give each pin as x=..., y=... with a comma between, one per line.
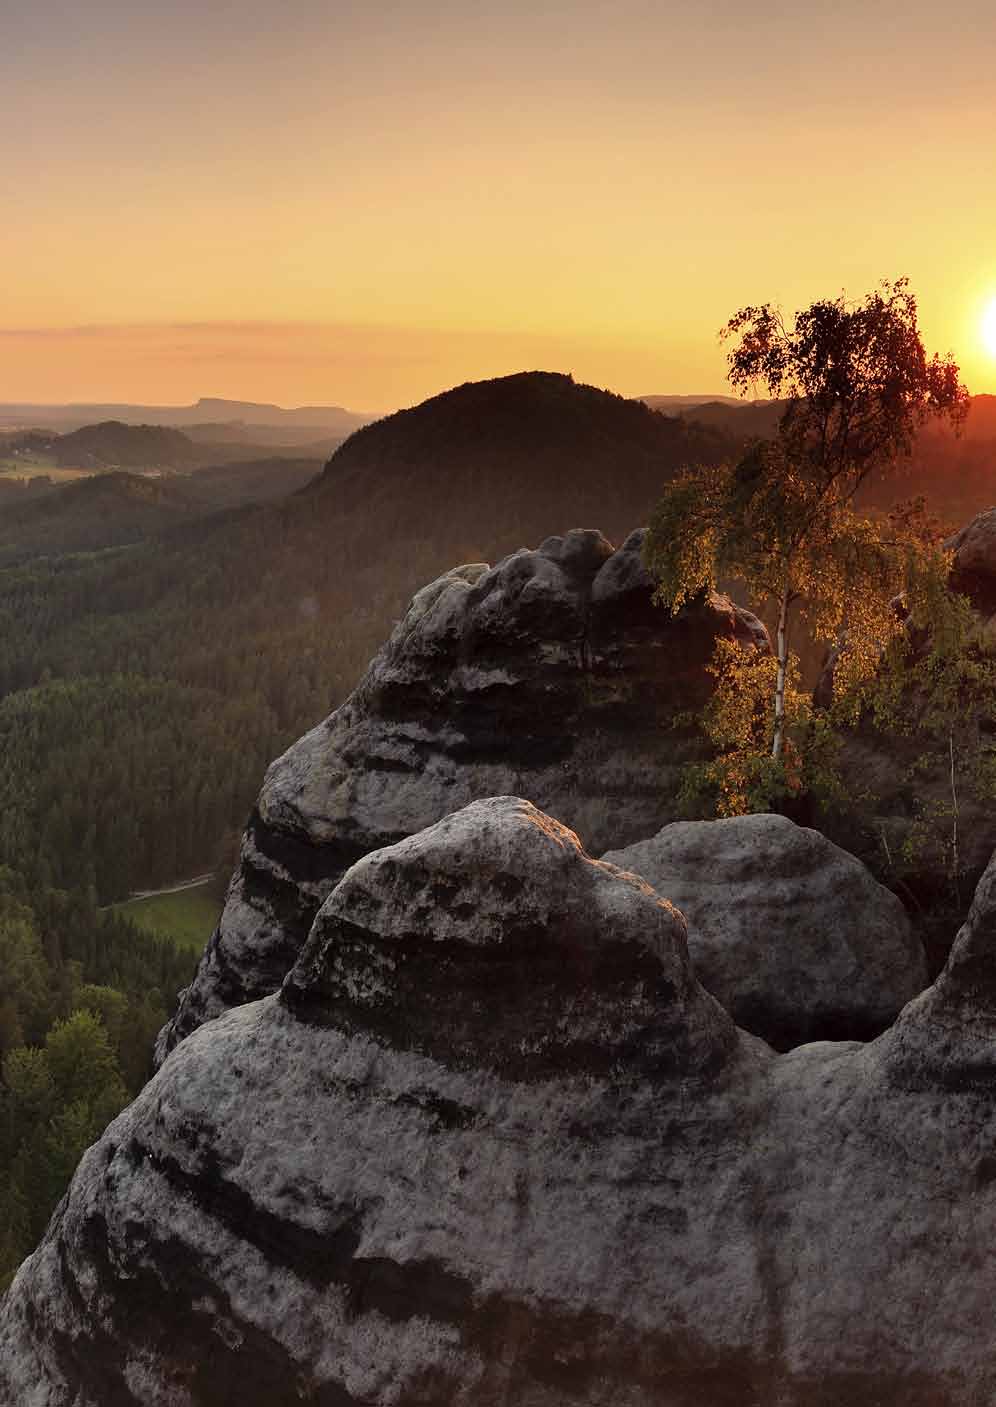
x=341, y=206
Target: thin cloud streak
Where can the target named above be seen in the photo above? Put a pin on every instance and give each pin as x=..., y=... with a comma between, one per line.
x=367, y=367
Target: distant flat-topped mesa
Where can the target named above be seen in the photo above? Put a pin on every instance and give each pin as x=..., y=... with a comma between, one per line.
x=493, y=1145
x=551, y=675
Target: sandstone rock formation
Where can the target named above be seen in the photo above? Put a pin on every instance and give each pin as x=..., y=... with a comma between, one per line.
x=973, y=569
x=946, y=1039
x=793, y=935
x=492, y=1143
x=551, y=675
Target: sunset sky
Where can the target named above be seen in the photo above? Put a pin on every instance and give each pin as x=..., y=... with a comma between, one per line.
x=364, y=203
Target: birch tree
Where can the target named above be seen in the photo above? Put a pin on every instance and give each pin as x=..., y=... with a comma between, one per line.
x=856, y=385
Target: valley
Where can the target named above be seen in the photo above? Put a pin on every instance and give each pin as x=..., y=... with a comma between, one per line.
x=497, y=705
x=185, y=914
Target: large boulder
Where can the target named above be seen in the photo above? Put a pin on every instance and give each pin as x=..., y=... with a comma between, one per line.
x=414, y=1176
x=492, y=1143
x=973, y=565
x=792, y=934
x=552, y=674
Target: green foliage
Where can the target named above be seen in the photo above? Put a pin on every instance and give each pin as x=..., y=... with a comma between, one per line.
x=792, y=546
x=80, y=1058
x=25, y=1008
x=935, y=692
x=145, y=686
x=85, y=993
x=741, y=776
x=187, y=917
x=113, y=443
x=781, y=520
x=762, y=522
x=109, y=1006
x=54, y=1102
x=144, y=689
x=164, y=792
x=28, y=1086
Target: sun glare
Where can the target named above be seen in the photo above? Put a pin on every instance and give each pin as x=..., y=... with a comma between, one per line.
x=989, y=327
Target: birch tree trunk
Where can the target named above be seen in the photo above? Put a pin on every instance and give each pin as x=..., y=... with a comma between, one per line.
x=779, y=730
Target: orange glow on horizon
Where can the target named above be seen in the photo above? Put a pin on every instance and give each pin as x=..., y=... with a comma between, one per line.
x=345, y=205
x=374, y=369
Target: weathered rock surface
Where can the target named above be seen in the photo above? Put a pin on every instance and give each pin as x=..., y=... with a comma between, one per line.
x=946, y=1039
x=493, y=1144
x=551, y=674
x=973, y=569
x=793, y=935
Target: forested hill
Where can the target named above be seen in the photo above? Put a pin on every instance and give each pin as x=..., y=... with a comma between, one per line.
x=114, y=509
x=227, y=637
x=536, y=446
x=145, y=686
x=104, y=510
x=113, y=444
x=144, y=690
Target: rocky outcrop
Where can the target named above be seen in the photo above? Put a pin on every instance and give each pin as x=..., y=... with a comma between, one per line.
x=416, y=944
x=947, y=1038
x=793, y=935
x=552, y=675
x=492, y=1143
x=973, y=565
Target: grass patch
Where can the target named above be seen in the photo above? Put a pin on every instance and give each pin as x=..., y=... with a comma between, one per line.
x=188, y=917
x=21, y=467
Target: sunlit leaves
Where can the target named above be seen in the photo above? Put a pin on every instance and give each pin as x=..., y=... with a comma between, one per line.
x=858, y=385
x=684, y=546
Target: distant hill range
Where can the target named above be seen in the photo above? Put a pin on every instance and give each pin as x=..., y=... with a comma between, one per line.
x=673, y=404
x=468, y=475
x=954, y=470
x=116, y=508
x=282, y=602
x=738, y=421
x=104, y=510
x=114, y=445
x=489, y=465
x=258, y=422
x=733, y=414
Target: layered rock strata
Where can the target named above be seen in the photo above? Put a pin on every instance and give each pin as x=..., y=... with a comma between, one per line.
x=493, y=1143
x=551, y=675
x=792, y=934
